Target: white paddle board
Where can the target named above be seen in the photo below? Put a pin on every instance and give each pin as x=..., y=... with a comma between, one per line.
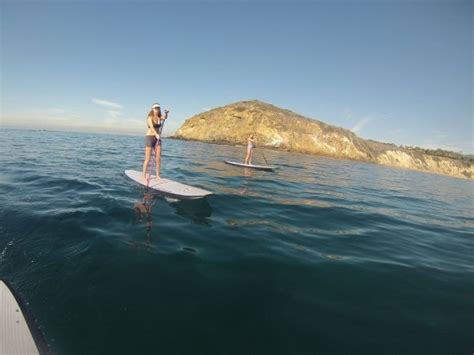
x=260, y=167
x=167, y=187
x=18, y=334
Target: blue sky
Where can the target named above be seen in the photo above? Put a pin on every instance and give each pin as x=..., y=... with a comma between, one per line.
x=393, y=71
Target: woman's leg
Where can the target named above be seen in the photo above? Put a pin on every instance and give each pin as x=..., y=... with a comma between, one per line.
x=247, y=157
x=146, y=161
x=250, y=156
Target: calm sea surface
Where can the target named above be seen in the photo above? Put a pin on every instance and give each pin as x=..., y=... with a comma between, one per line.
x=322, y=256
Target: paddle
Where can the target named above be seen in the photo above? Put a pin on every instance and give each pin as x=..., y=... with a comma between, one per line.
x=162, y=121
x=263, y=155
x=161, y=129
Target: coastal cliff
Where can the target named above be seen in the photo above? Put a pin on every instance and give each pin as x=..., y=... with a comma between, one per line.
x=283, y=129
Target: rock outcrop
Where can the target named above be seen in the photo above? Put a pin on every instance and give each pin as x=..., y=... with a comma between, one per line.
x=283, y=129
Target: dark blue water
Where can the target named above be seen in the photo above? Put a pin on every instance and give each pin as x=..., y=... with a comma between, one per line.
x=322, y=257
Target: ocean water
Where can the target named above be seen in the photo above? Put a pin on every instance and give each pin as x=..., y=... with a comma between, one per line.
x=323, y=256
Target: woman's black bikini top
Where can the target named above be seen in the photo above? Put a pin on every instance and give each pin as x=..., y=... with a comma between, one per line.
x=155, y=125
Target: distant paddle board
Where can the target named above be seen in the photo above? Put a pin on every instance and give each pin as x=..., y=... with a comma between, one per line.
x=259, y=167
x=18, y=332
x=168, y=187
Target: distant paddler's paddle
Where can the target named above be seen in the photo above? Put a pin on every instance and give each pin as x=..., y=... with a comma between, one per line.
x=263, y=155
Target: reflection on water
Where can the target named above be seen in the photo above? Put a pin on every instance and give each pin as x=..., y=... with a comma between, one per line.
x=198, y=211
x=246, y=181
x=143, y=210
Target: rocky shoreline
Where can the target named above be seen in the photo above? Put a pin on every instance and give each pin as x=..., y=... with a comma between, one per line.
x=285, y=130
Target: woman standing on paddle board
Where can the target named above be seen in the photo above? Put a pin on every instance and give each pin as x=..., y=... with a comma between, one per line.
x=155, y=122
x=250, y=147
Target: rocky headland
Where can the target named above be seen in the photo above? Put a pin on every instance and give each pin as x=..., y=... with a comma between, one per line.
x=283, y=129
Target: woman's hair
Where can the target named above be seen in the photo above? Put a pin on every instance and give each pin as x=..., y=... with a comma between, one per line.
x=150, y=114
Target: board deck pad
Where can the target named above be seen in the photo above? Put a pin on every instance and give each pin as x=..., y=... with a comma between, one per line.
x=252, y=166
x=15, y=334
x=168, y=187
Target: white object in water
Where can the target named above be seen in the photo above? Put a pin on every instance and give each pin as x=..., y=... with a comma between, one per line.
x=260, y=167
x=168, y=187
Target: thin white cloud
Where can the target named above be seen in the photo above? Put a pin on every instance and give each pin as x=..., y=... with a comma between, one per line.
x=107, y=103
x=58, y=118
x=50, y=111
x=360, y=124
x=41, y=117
x=42, y=113
x=114, y=113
